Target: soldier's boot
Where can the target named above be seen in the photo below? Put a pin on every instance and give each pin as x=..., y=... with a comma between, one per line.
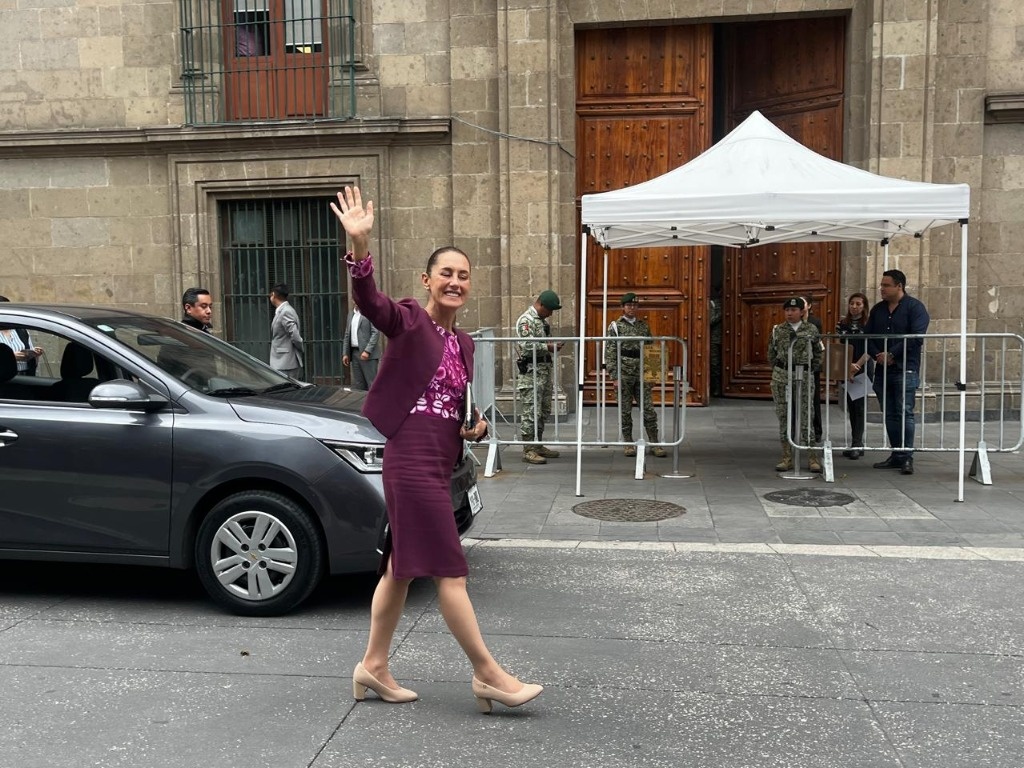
x=813, y=463
x=546, y=452
x=630, y=450
x=787, y=458
x=530, y=455
x=656, y=450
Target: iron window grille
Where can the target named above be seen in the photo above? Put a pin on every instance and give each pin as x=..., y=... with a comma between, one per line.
x=292, y=241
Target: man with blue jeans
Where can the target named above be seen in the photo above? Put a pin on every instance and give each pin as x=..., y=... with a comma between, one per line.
x=898, y=369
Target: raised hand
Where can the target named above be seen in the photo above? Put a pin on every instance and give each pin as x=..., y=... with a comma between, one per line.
x=356, y=220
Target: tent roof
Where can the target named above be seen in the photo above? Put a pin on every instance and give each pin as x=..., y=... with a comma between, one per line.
x=757, y=186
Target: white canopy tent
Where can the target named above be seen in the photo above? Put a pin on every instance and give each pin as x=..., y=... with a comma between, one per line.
x=759, y=186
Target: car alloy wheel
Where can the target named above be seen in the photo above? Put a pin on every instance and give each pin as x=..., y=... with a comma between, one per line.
x=258, y=553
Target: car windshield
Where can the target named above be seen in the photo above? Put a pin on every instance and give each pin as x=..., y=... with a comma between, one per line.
x=198, y=360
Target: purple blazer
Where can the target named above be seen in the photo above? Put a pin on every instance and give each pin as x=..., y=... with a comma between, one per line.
x=411, y=358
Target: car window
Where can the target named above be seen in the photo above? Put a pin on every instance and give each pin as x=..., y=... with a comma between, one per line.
x=198, y=360
x=57, y=369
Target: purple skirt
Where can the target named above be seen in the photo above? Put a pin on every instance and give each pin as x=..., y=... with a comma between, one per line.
x=418, y=462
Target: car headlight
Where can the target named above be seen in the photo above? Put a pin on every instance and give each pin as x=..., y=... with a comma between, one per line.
x=363, y=458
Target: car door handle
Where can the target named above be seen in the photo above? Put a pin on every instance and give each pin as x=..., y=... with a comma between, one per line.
x=7, y=436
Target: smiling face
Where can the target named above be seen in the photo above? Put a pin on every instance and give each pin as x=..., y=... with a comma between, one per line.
x=447, y=281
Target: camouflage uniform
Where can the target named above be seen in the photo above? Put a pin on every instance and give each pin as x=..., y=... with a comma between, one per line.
x=778, y=355
x=537, y=378
x=623, y=361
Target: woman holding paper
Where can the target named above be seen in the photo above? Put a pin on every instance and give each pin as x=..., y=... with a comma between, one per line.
x=418, y=402
x=858, y=382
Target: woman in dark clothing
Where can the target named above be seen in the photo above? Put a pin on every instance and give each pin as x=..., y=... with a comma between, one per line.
x=851, y=328
x=417, y=403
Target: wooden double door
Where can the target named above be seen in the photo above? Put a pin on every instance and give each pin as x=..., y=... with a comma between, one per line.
x=650, y=99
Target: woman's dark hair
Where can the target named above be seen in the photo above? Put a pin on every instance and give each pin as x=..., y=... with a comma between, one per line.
x=432, y=261
x=849, y=318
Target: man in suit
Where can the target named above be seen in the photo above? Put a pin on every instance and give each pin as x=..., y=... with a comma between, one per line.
x=285, y=338
x=197, y=309
x=362, y=353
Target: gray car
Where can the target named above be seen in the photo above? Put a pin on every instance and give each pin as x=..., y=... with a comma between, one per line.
x=136, y=439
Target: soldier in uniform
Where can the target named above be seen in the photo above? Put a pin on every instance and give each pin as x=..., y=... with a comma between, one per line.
x=806, y=356
x=622, y=358
x=533, y=390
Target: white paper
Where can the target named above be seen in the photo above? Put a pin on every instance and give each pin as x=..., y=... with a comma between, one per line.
x=859, y=387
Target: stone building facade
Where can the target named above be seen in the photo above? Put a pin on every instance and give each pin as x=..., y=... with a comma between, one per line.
x=464, y=132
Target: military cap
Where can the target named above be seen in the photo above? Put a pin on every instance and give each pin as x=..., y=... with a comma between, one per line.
x=549, y=300
x=629, y=298
x=796, y=301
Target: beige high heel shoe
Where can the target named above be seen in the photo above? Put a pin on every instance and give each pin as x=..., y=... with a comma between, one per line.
x=487, y=694
x=361, y=680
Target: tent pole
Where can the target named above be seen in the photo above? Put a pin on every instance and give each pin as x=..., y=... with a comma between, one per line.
x=885, y=254
x=962, y=383
x=603, y=372
x=580, y=355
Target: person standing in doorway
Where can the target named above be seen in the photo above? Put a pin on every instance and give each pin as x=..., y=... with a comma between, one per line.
x=363, y=355
x=897, y=364
x=536, y=364
x=418, y=402
x=806, y=343
x=851, y=329
x=197, y=309
x=623, y=360
x=286, y=348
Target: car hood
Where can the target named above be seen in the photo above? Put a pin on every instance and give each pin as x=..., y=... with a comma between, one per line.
x=326, y=413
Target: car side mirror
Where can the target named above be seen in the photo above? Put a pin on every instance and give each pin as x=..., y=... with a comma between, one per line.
x=125, y=395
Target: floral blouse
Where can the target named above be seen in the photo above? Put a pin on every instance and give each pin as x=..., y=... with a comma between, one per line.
x=444, y=395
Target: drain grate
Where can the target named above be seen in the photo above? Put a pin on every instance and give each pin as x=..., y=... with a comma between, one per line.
x=628, y=510
x=810, y=497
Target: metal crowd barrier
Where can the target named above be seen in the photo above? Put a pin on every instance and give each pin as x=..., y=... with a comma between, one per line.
x=497, y=373
x=994, y=421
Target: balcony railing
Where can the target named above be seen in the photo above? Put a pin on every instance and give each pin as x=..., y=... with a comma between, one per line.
x=262, y=60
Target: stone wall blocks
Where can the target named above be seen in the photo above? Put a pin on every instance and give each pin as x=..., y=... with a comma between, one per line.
x=473, y=64
x=480, y=30
x=402, y=70
x=73, y=232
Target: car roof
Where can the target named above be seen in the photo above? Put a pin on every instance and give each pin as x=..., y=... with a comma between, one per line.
x=83, y=312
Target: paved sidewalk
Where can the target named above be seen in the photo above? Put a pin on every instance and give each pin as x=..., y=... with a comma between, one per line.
x=730, y=450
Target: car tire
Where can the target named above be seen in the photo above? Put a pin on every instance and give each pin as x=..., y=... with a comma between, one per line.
x=258, y=553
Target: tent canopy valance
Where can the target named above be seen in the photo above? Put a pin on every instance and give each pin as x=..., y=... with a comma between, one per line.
x=759, y=186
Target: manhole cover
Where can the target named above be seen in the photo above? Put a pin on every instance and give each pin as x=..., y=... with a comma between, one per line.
x=628, y=510
x=810, y=497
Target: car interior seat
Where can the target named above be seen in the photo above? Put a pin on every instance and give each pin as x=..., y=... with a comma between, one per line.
x=75, y=364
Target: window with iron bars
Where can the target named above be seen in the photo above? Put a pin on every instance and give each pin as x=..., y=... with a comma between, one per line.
x=292, y=241
x=258, y=60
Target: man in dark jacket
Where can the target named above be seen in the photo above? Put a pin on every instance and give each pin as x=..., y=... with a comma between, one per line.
x=197, y=306
x=897, y=373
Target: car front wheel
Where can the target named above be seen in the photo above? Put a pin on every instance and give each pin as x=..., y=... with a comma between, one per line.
x=258, y=553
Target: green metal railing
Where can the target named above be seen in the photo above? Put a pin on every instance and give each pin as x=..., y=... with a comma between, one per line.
x=262, y=60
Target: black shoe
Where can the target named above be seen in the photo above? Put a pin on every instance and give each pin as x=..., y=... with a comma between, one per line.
x=908, y=467
x=893, y=462
x=856, y=453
